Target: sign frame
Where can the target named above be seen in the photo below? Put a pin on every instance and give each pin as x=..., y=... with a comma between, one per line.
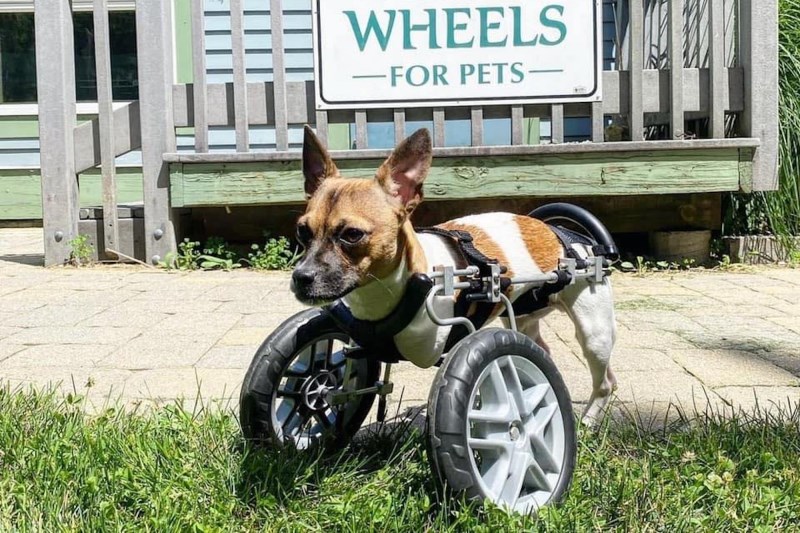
x=322, y=103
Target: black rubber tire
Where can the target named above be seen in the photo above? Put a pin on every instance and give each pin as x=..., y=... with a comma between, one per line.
x=448, y=406
x=270, y=362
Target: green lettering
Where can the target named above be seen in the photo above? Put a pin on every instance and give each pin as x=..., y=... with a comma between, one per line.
x=373, y=27
x=453, y=27
x=486, y=26
x=517, y=72
x=518, y=39
x=430, y=27
x=555, y=24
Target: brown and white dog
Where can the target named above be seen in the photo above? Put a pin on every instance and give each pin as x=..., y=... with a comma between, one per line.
x=361, y=247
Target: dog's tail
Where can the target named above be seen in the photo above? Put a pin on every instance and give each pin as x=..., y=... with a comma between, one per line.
x=589, y=225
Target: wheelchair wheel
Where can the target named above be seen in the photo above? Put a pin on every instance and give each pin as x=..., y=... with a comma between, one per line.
x=500, y=423
x=284, y=397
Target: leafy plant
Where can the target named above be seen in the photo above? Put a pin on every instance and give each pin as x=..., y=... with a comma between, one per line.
x=81, y=251
x=186, y=258
x=210, y=262
x=219, y=249
x=644, y=265
x=277, y=254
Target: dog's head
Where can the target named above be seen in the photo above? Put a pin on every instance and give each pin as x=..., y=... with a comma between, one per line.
x=351, y=229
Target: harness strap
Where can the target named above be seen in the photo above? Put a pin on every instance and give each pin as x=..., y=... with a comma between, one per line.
x=568, y=238
x=378, y=336
x=466, y=246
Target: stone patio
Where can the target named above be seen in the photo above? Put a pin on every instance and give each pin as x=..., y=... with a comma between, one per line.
x=149, y=336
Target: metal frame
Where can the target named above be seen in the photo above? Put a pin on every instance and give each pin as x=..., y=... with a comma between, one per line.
x=449, y=280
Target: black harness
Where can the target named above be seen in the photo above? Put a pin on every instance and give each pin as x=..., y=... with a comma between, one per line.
x=376, y=338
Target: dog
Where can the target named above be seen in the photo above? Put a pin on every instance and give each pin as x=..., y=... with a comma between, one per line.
x=360, y=247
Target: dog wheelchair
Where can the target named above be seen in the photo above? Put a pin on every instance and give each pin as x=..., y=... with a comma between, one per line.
x=500, y=423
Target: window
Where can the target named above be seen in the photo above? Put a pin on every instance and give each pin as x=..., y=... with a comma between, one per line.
x=18, y=57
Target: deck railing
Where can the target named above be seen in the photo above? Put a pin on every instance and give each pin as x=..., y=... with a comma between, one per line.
x=710, y=62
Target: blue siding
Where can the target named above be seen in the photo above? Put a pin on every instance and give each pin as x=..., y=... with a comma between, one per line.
x=300, y=67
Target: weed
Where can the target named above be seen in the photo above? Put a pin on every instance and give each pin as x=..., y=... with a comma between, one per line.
x=277, y=254
x=218, y=248
x=644, y=265
x=186, y=258
x=81, y=251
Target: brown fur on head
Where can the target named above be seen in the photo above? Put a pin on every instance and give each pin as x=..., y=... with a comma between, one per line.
x=353, y=229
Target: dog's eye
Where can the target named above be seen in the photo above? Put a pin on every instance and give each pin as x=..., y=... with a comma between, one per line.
x=304, y=234
x=352, y=235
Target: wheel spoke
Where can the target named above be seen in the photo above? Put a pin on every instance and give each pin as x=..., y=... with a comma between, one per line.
x=532, y=397
x=498, y=393
x=289, y=427
x=490, y=415
x=542, y=455
x=295, y=395
x=493, y=444
x=515, y=387
x=537, y=424
x=537, y=477
x=518, y=466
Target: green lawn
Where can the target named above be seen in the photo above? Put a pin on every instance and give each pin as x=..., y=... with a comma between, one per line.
x=170, y=470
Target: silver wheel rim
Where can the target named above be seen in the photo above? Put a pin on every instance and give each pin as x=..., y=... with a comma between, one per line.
x=301, y=413
x=515, y=434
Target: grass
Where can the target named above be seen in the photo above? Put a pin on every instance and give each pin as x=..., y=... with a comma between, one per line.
x=173, y=470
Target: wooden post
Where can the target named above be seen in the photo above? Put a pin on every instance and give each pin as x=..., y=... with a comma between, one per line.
x=154, y=44
x=399, y=125
x=718, y=73
x=759, y=58
x=598, y=123
x=676, y=68
x=476, y=119
x=105, y=105
x=279, y=76
x=199, y=84
x=438, y=126
x=361, y=130
x=240, y=76
x=557, y=123
x=517, y=118
x=55, y=75
x=322, y=126
x=636, y=54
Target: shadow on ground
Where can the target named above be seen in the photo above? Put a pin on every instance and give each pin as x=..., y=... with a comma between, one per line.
x=24, y=259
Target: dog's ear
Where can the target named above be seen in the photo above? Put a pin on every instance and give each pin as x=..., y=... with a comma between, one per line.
x=402, y=174
x=317, y=164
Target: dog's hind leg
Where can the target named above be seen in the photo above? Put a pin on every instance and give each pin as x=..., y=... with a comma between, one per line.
x=590, y=307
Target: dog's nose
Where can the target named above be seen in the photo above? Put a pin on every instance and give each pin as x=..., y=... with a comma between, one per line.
x=303, y=277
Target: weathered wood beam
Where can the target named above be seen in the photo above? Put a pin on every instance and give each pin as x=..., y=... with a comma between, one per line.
x=55, y=72
x=480, y=151
x=156, y=76
x=453, y=178
x=759, y=57
x=127, y=136
x=105, y=106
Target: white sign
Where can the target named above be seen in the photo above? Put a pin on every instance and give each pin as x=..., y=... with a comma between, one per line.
x=414, y=53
